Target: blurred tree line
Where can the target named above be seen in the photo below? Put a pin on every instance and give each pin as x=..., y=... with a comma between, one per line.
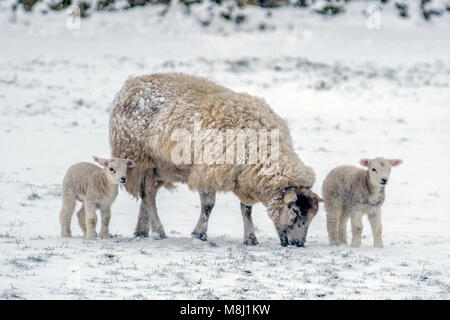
x=428, y=8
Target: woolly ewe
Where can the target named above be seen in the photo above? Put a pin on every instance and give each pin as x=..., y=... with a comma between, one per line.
x=97, y=188
x=149, y=109
x=350, y=192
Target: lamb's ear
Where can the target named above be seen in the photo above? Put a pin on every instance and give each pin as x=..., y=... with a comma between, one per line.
x=101, y=161
x=289, y=196
x=364, y=162
x=395, y=162
x=130, y=163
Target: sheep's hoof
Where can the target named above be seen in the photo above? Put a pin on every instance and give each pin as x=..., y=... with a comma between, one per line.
x=251, y=241
x=199, y=235
x=141, y=234
x=66, y=235
x=91, y=236
x=379, y=245
x=106, y=236
x=158, y=235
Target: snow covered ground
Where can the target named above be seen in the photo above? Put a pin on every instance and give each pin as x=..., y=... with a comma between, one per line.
x=348, y=92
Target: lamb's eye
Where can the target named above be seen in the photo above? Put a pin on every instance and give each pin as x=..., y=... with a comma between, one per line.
x=112, y=170
x=374, y=170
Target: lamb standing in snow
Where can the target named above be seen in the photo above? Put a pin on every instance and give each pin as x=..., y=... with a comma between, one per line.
x=350, y=192
x=149, y=109
x=97, y=188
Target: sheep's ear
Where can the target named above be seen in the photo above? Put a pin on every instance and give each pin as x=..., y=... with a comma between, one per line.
x=364, y=162
x=101, y=161
x=395, y=162
x=130, y=163
x=289, y=196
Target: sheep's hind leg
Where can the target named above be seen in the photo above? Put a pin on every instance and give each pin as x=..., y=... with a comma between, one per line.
x=65, y=215
x=82, y=219
x=207, y=201
x=148, y=215
x=343, y=220
x=249, y=229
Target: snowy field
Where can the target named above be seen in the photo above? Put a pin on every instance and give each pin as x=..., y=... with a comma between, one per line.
x=348, y=92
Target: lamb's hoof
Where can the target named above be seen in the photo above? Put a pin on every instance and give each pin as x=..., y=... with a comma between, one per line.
x=91, y=236
x=199, y=235
x=141, y=234
x=106, y=236
x=158, y=235
x=378, y=245
x=66, y=235
x=251, y=241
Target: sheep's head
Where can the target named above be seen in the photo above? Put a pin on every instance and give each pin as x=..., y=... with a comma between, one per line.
x=379, y=169
x=115, y=169
x=292, y=220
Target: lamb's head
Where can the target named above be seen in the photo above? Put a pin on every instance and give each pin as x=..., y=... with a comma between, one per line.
x=379, y=169
x=115, y=169
x=294, y=215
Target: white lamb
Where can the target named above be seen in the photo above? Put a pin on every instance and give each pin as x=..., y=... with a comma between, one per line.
x=350, y=192
x=97, y=188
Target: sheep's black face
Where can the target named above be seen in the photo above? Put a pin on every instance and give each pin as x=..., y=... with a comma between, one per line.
x=301, y=205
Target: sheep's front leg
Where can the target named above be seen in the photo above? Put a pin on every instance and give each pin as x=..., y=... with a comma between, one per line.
x=106, y=217
x=207, y=201
x=375, y=223
x=91, y=220
x=357, y=227
x=249, y=229
x=148, y=215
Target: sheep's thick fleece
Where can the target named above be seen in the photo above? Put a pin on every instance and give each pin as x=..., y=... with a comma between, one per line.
x=149, y=108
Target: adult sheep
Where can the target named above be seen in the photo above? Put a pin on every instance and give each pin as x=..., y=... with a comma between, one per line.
x=149, y=109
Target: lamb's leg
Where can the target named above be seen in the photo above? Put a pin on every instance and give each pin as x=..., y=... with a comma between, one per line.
x=249, y=229
x=82, y=219
x=91, y=220
x=207, y=201
x=343, y=220
x=334, y=211
x=375, y=223
x=148, y=215
x=357, y=227
x=65, y=215
x=106, y=217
